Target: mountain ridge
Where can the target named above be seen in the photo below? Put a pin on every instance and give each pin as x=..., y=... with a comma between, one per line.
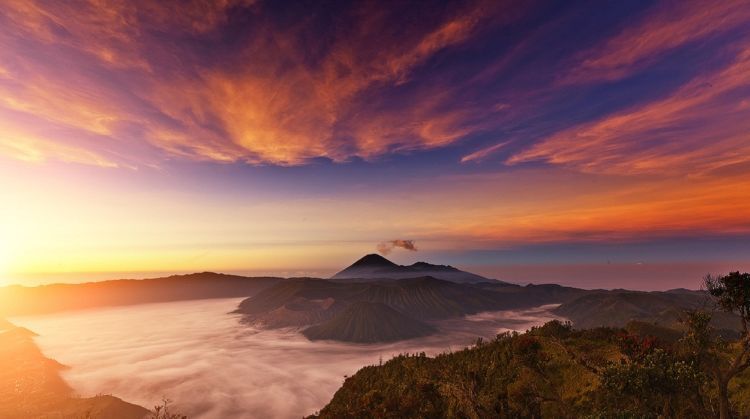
x=305, y=303
x=616, y=308
x=377, y=267
x=18, y=300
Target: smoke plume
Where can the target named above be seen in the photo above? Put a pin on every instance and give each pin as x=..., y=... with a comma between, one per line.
x=387, y=247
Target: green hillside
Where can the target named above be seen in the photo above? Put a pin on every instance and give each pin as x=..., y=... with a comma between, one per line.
x=549, y=372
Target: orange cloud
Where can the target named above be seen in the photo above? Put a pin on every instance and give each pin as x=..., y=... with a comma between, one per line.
x=266, y=103
x=444, y=212
x=669, y=25
x=450, y=33
x=105, y=29
x=701, y=127
x=279, y=121
x=281, y=114
x=290, y=122
x=569, y=209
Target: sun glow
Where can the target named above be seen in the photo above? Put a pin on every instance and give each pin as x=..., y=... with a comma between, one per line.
x=4, y=260
x=255, y=157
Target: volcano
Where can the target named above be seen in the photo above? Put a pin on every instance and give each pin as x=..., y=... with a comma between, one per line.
x=376, y=267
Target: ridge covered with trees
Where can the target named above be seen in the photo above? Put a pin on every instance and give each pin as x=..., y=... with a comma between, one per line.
x=643, y=370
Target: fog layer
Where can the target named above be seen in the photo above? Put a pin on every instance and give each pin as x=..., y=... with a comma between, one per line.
x=211, y=366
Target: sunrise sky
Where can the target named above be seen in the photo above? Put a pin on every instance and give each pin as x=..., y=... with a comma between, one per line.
x=598, y=144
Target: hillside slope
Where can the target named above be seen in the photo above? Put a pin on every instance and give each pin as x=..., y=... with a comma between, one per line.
x=365, y=322
x=617, y=308
x=307, y=302
x=549, y=372
x=31, y=386
x=423, y=298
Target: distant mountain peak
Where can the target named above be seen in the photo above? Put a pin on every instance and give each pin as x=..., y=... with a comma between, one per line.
x=373, y=260
x=374, y=266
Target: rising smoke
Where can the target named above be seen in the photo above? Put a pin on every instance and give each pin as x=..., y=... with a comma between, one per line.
x=387, y=247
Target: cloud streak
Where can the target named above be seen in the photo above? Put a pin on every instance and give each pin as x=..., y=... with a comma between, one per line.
x=665, y=27
x=482, y=154
x=699, y=128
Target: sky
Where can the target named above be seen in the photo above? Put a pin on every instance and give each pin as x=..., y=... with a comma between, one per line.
x=597, y=144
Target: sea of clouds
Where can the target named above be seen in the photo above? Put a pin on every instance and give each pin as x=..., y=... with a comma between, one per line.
x=211, y=366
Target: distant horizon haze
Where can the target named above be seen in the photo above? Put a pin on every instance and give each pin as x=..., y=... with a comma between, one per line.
x=635, y=276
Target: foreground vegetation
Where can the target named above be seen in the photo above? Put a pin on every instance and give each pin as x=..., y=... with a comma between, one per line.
x=640, y=371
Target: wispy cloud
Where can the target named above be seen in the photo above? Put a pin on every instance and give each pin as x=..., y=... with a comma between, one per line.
x=481, y=154
x=649, y=208
x=700, y=127
x=113, y=31
x=123, y=73
x=22, y=144
x=667, y=26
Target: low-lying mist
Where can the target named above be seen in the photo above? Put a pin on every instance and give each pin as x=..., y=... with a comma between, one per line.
x=211, y=366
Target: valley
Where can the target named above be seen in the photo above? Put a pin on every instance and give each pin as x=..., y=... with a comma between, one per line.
x=220, y=357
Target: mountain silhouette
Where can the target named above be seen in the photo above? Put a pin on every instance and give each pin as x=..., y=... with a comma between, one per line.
x=21, y=300
x=374, y=266
x=371, y=261
x=306, y=302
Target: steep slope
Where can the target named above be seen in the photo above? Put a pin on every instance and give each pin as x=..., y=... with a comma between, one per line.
x=549, y=372
x=377, y=267
x=366, y=322
x=420, y=298
x=285, y=291
x=298, y=312
x=509, y=377
x=429, y=298
x=372, y=261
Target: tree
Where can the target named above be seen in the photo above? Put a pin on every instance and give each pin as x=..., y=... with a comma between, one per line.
x=651, y=380
x=162, y=412
x=732, y=294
